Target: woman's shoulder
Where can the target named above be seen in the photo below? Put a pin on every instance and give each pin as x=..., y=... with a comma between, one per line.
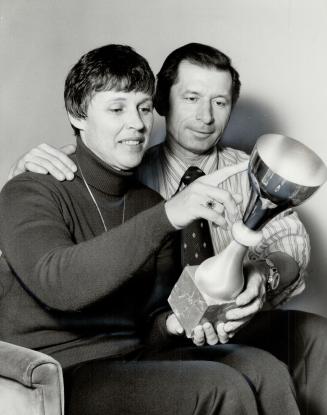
x=30, y=178
x=27, y=184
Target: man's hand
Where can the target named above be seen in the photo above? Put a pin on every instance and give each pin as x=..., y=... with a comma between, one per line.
x=202, y=334
x=249, y=302
x=205, y=334
x=203, y=199
x=46, y=159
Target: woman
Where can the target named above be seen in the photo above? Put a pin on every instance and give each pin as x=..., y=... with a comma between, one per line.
x=91, y=265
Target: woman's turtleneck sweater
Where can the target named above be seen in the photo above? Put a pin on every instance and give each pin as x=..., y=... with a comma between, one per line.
x=70, y=288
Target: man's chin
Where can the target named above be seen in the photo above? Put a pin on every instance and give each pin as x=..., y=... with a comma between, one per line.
x=199, y=148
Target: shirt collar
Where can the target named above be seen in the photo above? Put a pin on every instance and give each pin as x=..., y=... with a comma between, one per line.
x=170, y=168
x=207, y=162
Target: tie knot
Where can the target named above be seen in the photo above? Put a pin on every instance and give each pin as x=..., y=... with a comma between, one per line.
x=191, y=174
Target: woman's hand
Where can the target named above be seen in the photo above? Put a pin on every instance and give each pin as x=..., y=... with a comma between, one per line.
x=173, y=325
x=204, y=199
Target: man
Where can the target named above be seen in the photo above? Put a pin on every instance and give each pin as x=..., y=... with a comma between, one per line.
x=196, y=91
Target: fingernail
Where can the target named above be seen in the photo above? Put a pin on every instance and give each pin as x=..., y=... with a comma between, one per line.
x=74, y=168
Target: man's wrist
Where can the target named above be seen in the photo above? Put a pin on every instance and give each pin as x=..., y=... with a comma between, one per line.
x=273, y=277
x=270, y=273
x=170, y=214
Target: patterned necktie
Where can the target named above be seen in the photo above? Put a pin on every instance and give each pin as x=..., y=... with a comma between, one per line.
x=196, y=244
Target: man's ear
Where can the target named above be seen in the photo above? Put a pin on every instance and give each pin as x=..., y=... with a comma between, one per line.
x=78, y=123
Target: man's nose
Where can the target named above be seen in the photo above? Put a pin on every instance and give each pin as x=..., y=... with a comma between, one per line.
x=135, y=120
x=205, y=113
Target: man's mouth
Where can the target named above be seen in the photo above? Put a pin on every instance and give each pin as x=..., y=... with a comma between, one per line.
x=203, y=132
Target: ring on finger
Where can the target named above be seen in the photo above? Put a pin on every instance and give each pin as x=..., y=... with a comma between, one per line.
x=211, y=204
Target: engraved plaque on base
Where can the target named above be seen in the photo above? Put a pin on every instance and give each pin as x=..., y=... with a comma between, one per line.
x=190, y=306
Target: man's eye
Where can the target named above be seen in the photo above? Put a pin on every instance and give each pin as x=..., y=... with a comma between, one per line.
x=220, y=103
x=191, y=98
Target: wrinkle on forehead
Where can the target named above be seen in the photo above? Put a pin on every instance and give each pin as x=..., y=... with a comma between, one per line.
x=203, y=80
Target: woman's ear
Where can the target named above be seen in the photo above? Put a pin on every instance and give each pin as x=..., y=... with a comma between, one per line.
x=78, y=123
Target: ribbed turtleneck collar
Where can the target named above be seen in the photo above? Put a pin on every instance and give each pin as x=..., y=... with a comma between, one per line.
x=100, y=175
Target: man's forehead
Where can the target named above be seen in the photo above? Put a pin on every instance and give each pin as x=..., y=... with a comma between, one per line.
x=192, y=76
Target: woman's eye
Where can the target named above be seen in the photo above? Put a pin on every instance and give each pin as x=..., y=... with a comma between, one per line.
x=146, y=109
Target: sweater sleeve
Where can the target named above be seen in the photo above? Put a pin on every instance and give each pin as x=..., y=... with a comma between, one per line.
x=40, y=249
x=168, y=270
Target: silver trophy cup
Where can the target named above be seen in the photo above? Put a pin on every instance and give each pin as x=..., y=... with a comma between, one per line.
x=283, y=173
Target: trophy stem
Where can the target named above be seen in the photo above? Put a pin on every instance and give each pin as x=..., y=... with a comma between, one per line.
x=259, y=211
x=220, y=278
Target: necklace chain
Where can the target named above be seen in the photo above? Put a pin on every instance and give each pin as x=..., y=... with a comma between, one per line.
x=95, y=202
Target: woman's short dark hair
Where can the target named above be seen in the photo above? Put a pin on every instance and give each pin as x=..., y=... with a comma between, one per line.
x=198, y=54
x=111, y=67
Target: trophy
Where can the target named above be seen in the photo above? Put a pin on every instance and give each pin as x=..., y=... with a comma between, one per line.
x=283, y=173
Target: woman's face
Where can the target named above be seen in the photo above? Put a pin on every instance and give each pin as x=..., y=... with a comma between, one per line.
x=117, y=127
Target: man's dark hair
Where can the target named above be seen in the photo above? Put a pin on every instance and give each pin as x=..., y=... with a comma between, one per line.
x=198, y=54
x=111, y=67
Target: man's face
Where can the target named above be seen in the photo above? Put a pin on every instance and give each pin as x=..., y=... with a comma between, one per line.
x=200, y=104
x=117, y=127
